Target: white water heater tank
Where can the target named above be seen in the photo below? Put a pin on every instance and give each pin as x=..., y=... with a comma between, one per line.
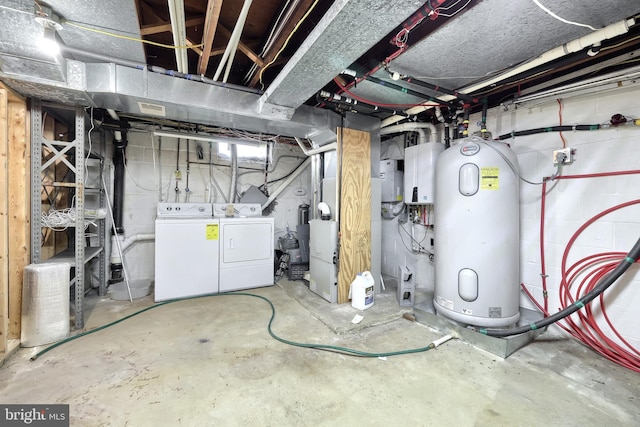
x=477, y=249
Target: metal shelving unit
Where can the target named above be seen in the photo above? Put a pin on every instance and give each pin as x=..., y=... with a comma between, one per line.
x=72, y=154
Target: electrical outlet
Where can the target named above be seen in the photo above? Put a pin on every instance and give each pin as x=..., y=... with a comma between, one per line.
x=564, y=156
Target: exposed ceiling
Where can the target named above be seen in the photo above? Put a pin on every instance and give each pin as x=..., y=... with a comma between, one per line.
x=288, y=51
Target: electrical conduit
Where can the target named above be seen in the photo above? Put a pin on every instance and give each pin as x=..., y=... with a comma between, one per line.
x=286, y=183
x=230, y=50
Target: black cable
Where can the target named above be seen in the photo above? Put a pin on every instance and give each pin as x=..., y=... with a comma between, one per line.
x=564, y=128
x=607, y=281
x=287, y=175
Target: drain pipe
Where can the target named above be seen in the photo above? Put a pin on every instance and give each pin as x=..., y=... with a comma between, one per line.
x=119, y=145
x=131, y=240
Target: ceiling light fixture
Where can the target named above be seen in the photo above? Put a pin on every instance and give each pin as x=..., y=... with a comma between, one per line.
x=50, y=24
x=205, y=137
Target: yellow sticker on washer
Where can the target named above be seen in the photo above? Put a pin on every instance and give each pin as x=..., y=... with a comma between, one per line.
x=489, y=178
x=212, y=231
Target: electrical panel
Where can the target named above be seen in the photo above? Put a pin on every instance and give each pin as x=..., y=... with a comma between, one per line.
x=391, y=176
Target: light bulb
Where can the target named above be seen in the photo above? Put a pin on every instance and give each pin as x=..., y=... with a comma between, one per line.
x=48, y=43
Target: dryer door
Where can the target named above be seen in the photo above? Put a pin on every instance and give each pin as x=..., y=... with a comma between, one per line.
x=245, y=242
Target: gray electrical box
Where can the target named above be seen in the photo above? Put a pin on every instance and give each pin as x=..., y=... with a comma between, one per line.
x=391, y=175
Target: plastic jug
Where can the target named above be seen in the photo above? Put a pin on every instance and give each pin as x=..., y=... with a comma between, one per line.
x=361, y=291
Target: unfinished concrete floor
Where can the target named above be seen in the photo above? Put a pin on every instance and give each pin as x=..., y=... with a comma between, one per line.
x=211, y=361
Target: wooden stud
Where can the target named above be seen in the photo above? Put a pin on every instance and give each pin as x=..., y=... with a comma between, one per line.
x=354, y=152
x=19, y=220
x=4, y=228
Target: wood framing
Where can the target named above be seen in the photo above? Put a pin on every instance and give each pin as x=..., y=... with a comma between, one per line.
x=4, y=228
x=354, y=154
x=19, y=206
x=14, y=214
x=210, y=27
x=165, y=27
x=300, y=9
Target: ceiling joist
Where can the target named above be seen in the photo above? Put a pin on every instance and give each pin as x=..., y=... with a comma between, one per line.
x=243, y=47
x=300, y=9
x=165, y=26
x=211, y=24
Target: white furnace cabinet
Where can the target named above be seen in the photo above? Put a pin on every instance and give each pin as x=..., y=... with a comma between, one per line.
x=246, y=253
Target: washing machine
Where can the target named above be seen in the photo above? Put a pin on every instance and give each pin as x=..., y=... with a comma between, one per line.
x=246, y=246
x=186, y=250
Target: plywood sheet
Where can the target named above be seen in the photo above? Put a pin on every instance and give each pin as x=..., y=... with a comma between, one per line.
x=354, y=154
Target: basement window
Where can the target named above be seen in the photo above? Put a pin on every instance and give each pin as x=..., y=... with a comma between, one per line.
x=246, y=153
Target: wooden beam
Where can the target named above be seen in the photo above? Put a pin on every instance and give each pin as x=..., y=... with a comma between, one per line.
x=354, y=150
x=194, y=46
x=242, y=47
x=210, y=26
x=19, y=158
x=165, y=27
x=297, y=14
x=4, y=226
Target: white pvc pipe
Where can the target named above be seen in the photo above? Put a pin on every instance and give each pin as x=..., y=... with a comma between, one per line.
x=113, y=114
x=312, y=151
x=286, y=182
x=129, y=241
x=117, y=134
x=176, y=16
x=241, y=21
x=230, y=50
x=608, y=32
x=119, y=242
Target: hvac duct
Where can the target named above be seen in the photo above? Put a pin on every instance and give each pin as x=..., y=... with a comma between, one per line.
x=477, y=234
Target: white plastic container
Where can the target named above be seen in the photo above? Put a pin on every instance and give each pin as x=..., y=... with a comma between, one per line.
x=361, y=291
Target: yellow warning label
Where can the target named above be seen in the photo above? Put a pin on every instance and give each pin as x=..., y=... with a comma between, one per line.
x=489, y=178
x=212, y=231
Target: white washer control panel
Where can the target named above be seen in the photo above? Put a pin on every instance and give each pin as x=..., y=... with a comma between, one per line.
x=173, y=210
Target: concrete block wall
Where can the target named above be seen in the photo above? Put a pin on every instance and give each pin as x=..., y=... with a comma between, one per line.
x=569, y=202
x=149, y=169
